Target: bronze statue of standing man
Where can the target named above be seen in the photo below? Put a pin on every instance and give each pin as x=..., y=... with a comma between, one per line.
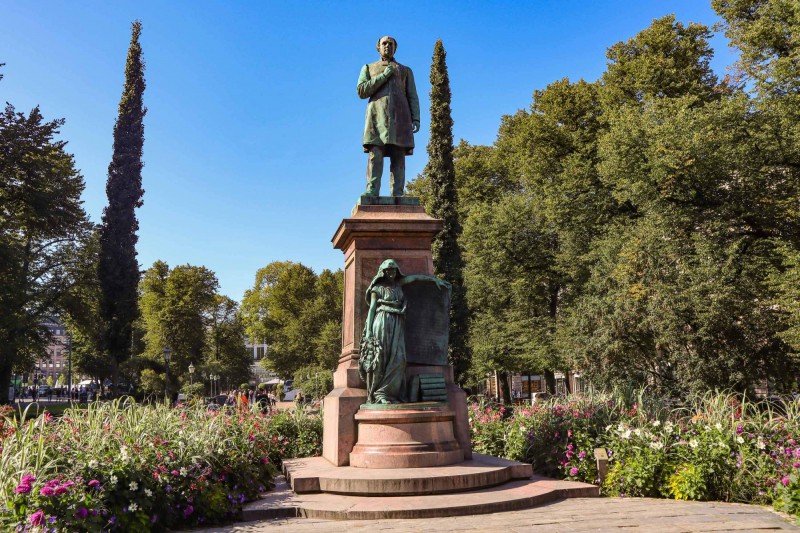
x=392, y=117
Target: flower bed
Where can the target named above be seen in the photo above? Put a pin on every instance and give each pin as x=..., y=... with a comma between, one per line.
x=718, y=447
x=129, y=467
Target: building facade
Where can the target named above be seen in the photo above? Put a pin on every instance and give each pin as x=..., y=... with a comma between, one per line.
x=56, y=362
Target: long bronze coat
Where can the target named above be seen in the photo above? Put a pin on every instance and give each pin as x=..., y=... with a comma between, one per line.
x=393, y=106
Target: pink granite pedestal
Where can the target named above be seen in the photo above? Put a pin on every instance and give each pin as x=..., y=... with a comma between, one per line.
x=371, y=235
x=415, y=436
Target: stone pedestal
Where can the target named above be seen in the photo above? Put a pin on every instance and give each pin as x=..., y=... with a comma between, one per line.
x=405, y=436
x=400, y=230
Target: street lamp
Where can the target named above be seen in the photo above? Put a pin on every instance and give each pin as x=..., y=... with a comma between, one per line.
x=191, y=374
x=167, y=356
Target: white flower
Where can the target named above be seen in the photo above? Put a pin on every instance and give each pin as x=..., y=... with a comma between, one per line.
x=693, y=443
x=638, y=432
x=183, y=471
x=761, y=444
x=656, y=423
x=148, y=492
x=718, y=426
x=608, y=427
x=621, y=427
x=740, y=439
x=722, y=444
x=627, y=434
x=656, y=445
x=668, y=426
x=133, y=485
x=93, y=463
x=133, y=507
x=112, y=479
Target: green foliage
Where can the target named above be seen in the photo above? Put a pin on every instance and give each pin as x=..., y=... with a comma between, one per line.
x=298, y=314
x=313, y=382
x=439, y=173
x=117, y=268
x=687, y=483
x=643, y=227
x=767, y=35
x=151, y=468
x=182, y=309
x=42, y=227
x=713, y=447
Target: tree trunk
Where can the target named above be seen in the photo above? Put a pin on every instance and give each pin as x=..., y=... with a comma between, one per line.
x=5, y=379
x=550, y=381
x=503, y=385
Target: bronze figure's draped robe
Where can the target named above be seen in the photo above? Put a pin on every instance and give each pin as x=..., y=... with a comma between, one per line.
x=383, y=367
x=393, y=106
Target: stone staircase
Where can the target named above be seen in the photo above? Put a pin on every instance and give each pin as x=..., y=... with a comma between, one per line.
x=313, y=488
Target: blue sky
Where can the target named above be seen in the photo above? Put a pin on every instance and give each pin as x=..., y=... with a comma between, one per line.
x=253, y=131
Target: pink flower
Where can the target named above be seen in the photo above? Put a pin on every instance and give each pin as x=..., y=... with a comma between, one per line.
x=27, y=479
x=573, y=471
x=37, y=518
x=62, y=489
x=47, y=491
x=785, y=481
x=22, y=488
x=175, y=473
x=94, y=483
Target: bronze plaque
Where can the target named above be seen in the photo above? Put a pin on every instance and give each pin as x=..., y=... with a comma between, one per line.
x=427, y=323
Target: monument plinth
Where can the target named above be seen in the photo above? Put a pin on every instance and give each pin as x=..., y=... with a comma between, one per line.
x=367, y=238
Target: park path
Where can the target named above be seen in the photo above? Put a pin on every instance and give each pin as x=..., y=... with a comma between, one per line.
x=572, y=515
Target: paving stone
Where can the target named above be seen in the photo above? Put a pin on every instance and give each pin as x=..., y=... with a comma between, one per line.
x=573, y=515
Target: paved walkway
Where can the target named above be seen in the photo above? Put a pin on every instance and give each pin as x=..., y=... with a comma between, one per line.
x=573, y=515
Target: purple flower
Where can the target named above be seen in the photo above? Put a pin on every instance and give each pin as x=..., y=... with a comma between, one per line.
x=37, y=518
x=169, y=488
x=47, y=491
x=53, y=483
x=27, y=479
x=61, y=489
x=22, y=488
x=188, y=511
x=81, y=512
x=573, y=471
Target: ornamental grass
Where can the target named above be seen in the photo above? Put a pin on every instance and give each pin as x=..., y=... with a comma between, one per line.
x=717, y=446
x=123, y=466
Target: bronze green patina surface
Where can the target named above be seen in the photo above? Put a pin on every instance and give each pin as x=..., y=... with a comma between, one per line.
x=392, y=116
x=383, y=355
x=387, y=200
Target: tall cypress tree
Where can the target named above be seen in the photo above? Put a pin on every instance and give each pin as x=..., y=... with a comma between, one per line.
x=118, y=269
x=441, y=174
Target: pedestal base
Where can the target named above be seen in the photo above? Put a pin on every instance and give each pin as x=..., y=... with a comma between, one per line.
x=411, y=436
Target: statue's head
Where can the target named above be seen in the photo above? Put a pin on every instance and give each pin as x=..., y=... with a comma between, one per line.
x=386, y=46
x=389, y=269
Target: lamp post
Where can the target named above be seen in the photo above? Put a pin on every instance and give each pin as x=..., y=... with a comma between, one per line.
x=191, y=374
x=167, y=356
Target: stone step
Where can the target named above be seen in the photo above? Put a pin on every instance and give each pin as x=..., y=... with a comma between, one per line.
x=511, y=496
x=315, y=474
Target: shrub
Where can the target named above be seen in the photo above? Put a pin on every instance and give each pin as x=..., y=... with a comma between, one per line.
x=717, y=446
x=128, y=467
